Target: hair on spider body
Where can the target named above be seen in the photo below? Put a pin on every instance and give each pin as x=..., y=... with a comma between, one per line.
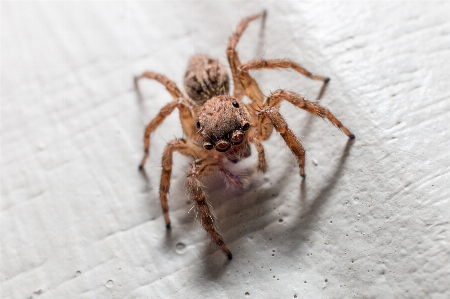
x=219, y=126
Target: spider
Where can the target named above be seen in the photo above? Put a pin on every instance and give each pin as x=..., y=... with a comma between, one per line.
x=219, y=126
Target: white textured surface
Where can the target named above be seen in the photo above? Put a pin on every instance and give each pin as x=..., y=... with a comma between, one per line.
x=371, y=220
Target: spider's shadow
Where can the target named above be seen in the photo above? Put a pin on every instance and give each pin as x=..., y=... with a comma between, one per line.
x=216, y=265
x=304, y=225
x=310, y=118
x=146, y=179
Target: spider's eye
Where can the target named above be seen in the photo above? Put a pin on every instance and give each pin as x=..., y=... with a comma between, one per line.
x=222, y=146
x=237, y=137
x=245, y=127
x=208, y=145
x=198, y=125
x=235, y=104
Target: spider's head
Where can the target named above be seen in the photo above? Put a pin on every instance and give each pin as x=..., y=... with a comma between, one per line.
x=222, y=122
x=205, y=78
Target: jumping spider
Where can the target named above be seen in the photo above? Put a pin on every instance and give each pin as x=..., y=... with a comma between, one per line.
x=220, y=126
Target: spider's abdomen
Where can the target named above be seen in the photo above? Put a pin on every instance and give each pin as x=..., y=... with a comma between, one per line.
x=205, y=78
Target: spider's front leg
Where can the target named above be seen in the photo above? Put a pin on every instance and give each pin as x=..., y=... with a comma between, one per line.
x=179, y=101
x=253, y=91
x=184, y=147
x=262, y=164
x=270, y=111
x=289, y=137
x=197, y=194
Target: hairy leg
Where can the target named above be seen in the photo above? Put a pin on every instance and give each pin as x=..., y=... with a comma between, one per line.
x=234, y=62
x=297, y=100
x=169, y=84
x=291, y=140
x=264, y=125
x=204, y=212
x=262, y=165
x=244, y=84
x=179, y=101
x=258, y=64
x=184, y=147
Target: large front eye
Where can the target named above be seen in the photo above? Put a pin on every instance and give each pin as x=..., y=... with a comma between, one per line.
x=207, y=145
x=245, y=127
x=235, y=104
x=222, y=146
x=237, y=137
x=198, y=125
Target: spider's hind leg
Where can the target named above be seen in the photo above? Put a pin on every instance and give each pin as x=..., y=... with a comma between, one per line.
x=272, y=114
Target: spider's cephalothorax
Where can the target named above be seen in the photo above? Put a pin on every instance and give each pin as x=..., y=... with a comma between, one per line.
x=220, y=127
x=223, y=122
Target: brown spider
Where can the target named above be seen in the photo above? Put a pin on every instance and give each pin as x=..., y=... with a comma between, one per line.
x=220, y=126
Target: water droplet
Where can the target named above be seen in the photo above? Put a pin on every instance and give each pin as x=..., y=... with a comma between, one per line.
x=78, y=273
x=109, y=284
x=280, y=220
x=315, y=162
x=180, y=248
